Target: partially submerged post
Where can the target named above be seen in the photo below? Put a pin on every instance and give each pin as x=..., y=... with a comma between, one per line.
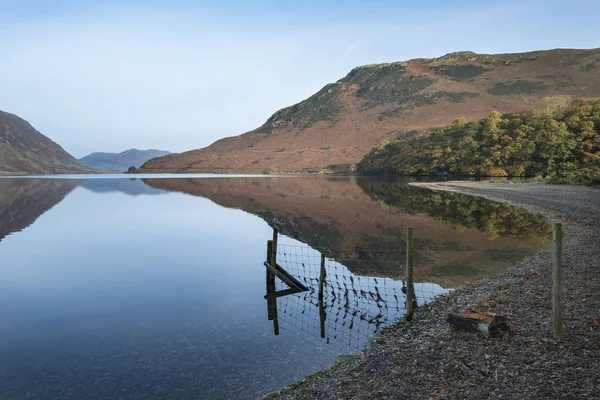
x=271, y=299
x=270, y=276
x=322, y=313
x=409, y=274
x=274, y=248
x=557, y=311
x=276, y=271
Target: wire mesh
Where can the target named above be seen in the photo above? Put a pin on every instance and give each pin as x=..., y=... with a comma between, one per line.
x=351, y=307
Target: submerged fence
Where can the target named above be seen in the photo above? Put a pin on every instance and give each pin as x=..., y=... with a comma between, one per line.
x=323, y=298
x=343, y=302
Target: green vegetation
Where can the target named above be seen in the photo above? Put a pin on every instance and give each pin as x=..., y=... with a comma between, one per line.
x=460, y=72
x=554, y=141
x=459, y=97
x=271, y=171
x=403, y=90
x=425, y=99
x=517, y=87
x=367, y=75
x=322, y=106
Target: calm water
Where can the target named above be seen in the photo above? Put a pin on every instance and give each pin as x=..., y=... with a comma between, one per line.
x=155, y=288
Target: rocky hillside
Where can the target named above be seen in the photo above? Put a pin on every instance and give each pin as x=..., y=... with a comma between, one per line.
x=337, y=126
x=121, y=161
x=24, y=150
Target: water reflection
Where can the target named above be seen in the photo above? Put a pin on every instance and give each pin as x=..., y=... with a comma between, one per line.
x=459, y=239
x=338, y=306
x=22, y=201
x=162, y=296
x=130, y=187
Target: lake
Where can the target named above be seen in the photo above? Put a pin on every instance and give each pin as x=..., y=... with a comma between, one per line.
x=155, y=288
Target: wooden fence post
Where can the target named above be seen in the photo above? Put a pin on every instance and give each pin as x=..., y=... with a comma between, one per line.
x=270, y=276
x=409, y=274
x=322, y=314
x=557, y=311
x=274, y=249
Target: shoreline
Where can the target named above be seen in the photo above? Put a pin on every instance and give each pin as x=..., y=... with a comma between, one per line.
x=427, y=359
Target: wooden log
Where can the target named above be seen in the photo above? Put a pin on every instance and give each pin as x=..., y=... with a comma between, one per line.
x=488, y=324
x=281, y=293
x=286, y=277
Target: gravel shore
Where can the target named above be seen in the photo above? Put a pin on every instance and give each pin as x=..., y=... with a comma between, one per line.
x=427, y=359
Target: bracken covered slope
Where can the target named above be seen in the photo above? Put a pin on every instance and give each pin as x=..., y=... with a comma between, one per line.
x=337, y=126
x=24, y=150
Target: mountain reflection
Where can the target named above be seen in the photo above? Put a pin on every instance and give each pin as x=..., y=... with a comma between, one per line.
x=130, y=187
x=22, y=201
x=458, y=238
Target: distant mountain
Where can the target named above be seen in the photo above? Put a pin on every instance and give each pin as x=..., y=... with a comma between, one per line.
x=339, y=124
x=24, y=150
x=122, y=161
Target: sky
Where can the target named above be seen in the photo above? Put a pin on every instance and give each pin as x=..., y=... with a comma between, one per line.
x=177, y=75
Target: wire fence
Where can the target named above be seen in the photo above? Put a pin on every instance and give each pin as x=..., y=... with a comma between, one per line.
x=350, y=308
x=352, y=293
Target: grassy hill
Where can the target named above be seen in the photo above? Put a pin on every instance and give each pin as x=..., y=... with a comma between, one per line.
x=558, y=140
x=121, y=161
x=338, y=125
x=24, y=150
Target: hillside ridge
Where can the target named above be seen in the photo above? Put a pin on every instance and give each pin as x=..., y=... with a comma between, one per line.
x=334, y=128
x=24, y=150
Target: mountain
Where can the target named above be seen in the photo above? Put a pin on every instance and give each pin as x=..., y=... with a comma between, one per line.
x=338, y=125
x=23, y=150
x=121, y=161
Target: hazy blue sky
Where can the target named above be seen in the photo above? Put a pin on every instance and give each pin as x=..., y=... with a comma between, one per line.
x=177, y=75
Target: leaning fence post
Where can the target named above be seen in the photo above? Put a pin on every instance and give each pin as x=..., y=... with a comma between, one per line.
x=557, y=311
x=409, y=274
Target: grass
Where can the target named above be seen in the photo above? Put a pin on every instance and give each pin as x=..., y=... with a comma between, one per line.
x=460, y=72
x=459, y=97
x=402, y=91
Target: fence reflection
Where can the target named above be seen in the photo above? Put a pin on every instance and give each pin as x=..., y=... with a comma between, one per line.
x=338, y=307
